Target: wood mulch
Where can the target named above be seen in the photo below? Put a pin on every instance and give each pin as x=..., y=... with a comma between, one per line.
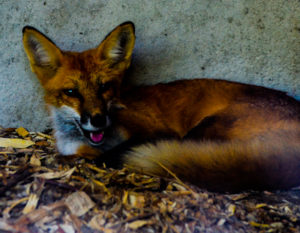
x=41, y=191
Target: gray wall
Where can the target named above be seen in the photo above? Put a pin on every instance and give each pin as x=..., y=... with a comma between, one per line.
x=251, y=41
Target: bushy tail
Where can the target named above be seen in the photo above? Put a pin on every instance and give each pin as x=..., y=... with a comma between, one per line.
x=272, y=163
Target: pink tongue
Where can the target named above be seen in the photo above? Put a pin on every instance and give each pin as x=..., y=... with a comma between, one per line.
x=96, y=137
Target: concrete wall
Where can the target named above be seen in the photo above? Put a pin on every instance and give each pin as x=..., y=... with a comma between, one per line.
x=251, y=41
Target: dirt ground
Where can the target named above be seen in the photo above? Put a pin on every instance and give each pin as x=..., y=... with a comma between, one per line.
x=42, y=192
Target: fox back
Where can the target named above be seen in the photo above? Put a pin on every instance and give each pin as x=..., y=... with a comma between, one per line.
x=220, y=135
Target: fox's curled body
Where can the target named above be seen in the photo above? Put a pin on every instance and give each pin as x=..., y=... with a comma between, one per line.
x=220, y=135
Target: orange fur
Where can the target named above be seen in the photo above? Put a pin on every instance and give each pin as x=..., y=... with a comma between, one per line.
x=217, y=134
x=223, y=166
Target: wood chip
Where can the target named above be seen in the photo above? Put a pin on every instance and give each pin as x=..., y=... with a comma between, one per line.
x=45, y=135
x=137, y=224
x=56, y=174
x=136, y=200
x=42, y=143
x=35, y=160
x=22, y=132
x=98, y=224
x=15, y=143
x=231, y=209
x=79, y=203
x=259, y=225
x=221, y=222
x=261, y=205
x=14, y=204
x=31, y=204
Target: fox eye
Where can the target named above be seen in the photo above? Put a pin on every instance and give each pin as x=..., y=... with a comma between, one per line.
x=71, y=92
x=104, y=87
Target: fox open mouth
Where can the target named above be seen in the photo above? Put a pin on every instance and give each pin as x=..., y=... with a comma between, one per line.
x=94, y=137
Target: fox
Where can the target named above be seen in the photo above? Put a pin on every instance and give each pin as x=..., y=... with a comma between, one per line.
x=219, y=135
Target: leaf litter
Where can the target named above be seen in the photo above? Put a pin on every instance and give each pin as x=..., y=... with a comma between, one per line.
x=41, y=191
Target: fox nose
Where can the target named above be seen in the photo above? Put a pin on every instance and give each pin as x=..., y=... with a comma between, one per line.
x=98, y=120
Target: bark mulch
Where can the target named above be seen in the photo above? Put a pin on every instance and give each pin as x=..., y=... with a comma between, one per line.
x=41, y=191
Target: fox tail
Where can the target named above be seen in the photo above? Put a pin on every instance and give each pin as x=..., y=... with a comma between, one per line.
x=268, y=163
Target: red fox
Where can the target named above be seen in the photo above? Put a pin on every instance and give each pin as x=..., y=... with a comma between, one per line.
x=219, y=135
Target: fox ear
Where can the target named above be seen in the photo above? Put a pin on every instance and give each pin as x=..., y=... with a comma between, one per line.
x=118, y=45
x=44, y=56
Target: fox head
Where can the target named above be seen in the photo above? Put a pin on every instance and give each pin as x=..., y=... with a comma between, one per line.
x=81, y=88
